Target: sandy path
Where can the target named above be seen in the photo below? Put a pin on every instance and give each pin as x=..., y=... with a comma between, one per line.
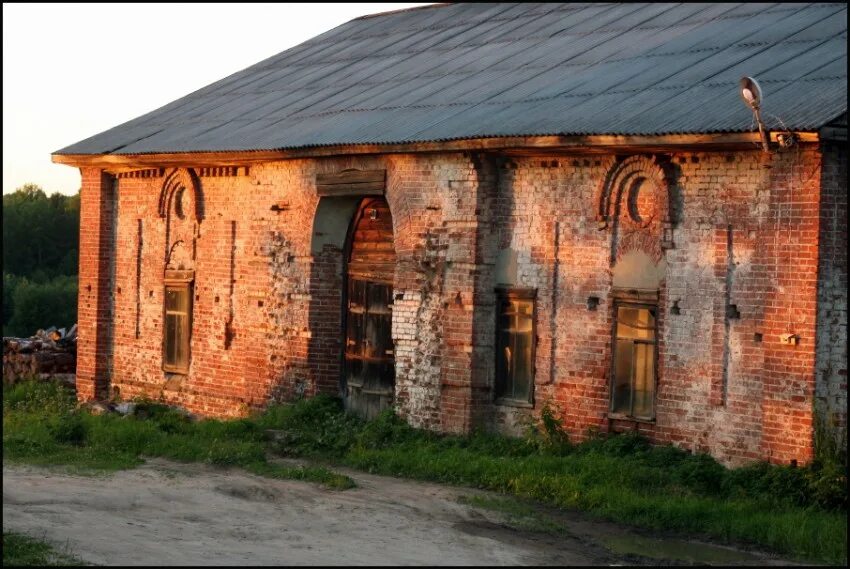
x=165, y=513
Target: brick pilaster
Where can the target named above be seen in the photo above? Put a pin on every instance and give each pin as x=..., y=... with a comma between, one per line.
x=94, y=310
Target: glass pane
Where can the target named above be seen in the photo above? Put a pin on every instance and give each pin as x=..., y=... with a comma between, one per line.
x=522, y=365
x=644, y=379
x=524, y=311
x=177, y=299
x=171, y=327
x=514, y=349
x=180, y=357
x=635, y=322
x=171, y=299
x=504, y=360
x=508, y=308
x=183, y=300
x=621, y=400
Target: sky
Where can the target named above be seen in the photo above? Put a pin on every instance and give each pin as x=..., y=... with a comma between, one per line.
x=73, y=70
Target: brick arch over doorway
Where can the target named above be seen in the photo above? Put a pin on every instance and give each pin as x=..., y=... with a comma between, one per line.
x=336, y=241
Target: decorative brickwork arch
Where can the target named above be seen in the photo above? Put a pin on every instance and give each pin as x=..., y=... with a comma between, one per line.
x=180, y=205
x=176, y=184
x=634, y=201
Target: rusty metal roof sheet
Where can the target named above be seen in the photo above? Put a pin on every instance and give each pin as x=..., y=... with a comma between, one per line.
x=494, y=70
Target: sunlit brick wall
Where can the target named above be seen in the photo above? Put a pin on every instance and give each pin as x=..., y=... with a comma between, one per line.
x=267, y=308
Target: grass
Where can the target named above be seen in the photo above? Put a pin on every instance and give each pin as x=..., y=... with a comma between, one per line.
x=22, y=551
x=42, y=426
x=794, y=511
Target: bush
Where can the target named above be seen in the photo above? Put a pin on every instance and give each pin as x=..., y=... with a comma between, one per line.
x=701, y=473
x=387, y=429
x=312, y=426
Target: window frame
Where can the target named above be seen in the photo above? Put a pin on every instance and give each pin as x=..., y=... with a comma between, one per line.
x=508, y=294
x=633, y=299
x=184, y=281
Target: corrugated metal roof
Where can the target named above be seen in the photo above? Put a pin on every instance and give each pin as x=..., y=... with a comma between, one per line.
x=488, y=70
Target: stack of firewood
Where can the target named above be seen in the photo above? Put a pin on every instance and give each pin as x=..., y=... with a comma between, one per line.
x=49, y=354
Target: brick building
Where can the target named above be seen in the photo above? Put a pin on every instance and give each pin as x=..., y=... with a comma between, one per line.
x=468, y=212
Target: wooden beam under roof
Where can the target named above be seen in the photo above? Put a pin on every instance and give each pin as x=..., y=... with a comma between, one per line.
x=518, y=145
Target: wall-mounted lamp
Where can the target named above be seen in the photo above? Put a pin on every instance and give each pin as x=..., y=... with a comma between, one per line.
x=675, y=309
x=373, y=214
x=786, y=139
x=752, y=95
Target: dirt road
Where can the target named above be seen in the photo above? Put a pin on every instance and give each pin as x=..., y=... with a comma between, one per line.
x=165, y=513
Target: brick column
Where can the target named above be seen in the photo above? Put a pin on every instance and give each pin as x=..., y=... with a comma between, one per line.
x=94, y=308
x=469, y=318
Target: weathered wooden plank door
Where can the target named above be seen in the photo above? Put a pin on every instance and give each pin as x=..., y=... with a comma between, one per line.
x=369, y=370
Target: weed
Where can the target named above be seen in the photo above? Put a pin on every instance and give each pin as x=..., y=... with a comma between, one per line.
x=547, y=434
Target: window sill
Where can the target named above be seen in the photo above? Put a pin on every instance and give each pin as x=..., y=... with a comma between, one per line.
x=175, y=374
x=514, y=403
x=621, y=417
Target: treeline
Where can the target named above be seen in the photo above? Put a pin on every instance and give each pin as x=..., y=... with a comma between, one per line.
x=41, y=236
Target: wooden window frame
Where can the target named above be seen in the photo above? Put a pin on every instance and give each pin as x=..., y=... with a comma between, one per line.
x=507, y=294
x=636, y=299
x=181, y=280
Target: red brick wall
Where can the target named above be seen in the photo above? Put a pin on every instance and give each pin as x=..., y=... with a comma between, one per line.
x=267, y=310
x=95, y=302
x=772, y=209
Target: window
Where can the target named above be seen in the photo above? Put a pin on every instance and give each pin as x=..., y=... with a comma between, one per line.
x=178, y=326
x=515, y=346
x=633, y=386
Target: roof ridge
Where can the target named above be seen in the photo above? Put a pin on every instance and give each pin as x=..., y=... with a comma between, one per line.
x=400, y=10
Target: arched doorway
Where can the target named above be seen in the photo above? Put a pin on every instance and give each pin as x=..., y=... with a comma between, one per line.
x=368, y=379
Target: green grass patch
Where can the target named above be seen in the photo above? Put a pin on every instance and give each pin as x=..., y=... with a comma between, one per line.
x=23, y=551
x=796, y=511
x=42, y=426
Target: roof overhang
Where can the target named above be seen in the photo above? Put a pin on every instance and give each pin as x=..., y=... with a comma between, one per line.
x=515, y=145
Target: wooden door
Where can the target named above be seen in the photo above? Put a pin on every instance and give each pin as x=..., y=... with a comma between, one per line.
x=369, y=370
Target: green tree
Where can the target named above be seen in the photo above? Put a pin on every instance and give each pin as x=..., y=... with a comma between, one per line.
x=41, y=305
x=40, y=233
x=40, y=256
